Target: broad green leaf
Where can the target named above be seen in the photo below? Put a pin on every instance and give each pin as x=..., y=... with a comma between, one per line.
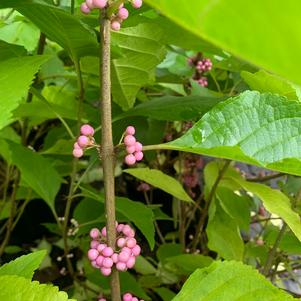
x=168, y=250
x=23, y=266
x=258, y=129
x=36, y=171
x=15, y=288
x=263, y=81
x=59, y=26
x=229, y=281
x=144, y=267
x=160, y=180
x=223, y=234
x=265, y=33
x=13, y=88
x=173, y=108
x=141, y=52
x=8, y=51
x=165, y=293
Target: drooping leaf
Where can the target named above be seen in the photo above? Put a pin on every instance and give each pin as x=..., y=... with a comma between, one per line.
x=16, y=75
x=160, y=180
x=259, y=129
x=141, y=53
x=242, y=33
x=229, y=281
x=58, y=25
x=15, y=288
x=8, y=51
x=23, y=266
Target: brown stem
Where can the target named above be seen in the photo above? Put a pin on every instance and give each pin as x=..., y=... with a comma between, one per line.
x=107, y=151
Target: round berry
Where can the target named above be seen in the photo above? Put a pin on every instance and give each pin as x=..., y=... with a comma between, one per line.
x=131, y=262
x=106, y=271
x=94, y=264
x=121, y=242
x=115, y=25
x=120, y=227
x=83, y=141
x=138, y=147
x=136, y=250
x=121, y=266
x=124, y=256
x=107, y=252
x=138, y=156
x=94, y=244
x=135, y=299
x=102, y=299
x=131, y=243
x=101, y=247
x=90, y=5
x=99, y=261
x=115, y=257
x=137, y=3
x=130, y=130
x=87, y=129
x=78, y=152
x=130, y=149
x=107, y=262
x=94, y=233
x=92, y=254
x=127, y=297
x=126, y=230
x=130, y=159
x=76, y=146
x=100, y=3
x=129, y=140
x=104, y=231
x=123, y=14
x=85, y=9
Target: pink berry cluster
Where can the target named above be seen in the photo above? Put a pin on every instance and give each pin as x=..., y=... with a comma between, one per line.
x=84, y=140
x=118, y=17
x=103, y=257
x=126, y=297
x=201, y=65
x=133, y=147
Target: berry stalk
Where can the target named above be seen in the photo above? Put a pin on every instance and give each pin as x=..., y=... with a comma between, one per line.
x=107, y=151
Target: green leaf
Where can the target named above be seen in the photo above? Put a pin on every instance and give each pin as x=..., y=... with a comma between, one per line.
x=8, y=51
x=13, y=88
x=15, y=288
x=242, y=33
x=58, y=25
x=36, y=171
x=259, y=129
x=165, y=293
x=144, y=267
x=173, y=108
x=141, y=53
x=223, y=234
x=263, y=81
x=229, y=281
x=23, y=266
x=160, y=180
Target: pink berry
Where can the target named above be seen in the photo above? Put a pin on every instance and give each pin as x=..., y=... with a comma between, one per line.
x=131, y=233
x=127, y=250
x=115, y=257
x=127, y=297
x=138, y=156
x=126, y=230
x=135, y=299
x=130, y=149
x=87, y=129
x=94, y=233
x=102, y=299
x=92, y=254
x=129, y=140
x=106, y=271
x=131, y=243
x=78, y=152
x=94, y=264
x=84, y=8
x=83, y=141
x=115, y=25
x=99, y=261
x=138, y=147
x=101, y=247
x=136, y=250
x=94, y=244
x=107, y=262
x=121, y=242
x=121, y=266
x=120, y=227
x=137, y=3
x=90, y=5
x=130, y=159
x=100, y=3
x=107, y=252
x=131, y=262
x=76, y=146
x=123, y=14
x=124, y=256
x=130, y=130
x=104, y=231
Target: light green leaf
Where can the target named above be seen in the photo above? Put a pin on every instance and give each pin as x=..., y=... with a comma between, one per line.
x=58, y=25
x=160, y=180
x=13, y=88
x=15, y=288
x=229, y=281
x=144, y=267
x=259, y=129
x=265, y=33
x=141, y=53
x=263, y=81
x=173, y=108
x=23, y=266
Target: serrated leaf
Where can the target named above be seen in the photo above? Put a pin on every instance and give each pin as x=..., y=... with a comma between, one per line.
x=173, y=108
x=23, y=266
x=15, y=288
x=258, y=129
x=229, y=281
x=273, y=26
x=141, y=53
x=13, y=88
x=59, y=26
x=160, y=180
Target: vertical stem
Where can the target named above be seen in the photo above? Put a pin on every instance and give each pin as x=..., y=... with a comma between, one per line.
x=107, y=151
